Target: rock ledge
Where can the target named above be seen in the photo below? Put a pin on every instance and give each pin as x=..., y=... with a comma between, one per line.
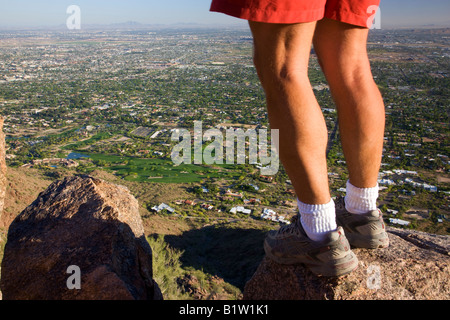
x=414, y=267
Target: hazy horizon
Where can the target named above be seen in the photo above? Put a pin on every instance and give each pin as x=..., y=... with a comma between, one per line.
x=20, y=14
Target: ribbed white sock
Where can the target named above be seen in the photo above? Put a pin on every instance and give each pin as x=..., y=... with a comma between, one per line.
x=317, y=219
x=360, y=200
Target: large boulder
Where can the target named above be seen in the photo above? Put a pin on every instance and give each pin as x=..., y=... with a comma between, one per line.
x=82, y=238
x=2, y=170
x=414, y=266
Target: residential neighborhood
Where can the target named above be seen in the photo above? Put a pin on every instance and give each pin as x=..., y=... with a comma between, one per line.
x=112, y=100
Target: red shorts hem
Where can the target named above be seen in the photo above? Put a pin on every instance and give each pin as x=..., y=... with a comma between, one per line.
x=349, y=17
x=268, y=16
x=355, y=12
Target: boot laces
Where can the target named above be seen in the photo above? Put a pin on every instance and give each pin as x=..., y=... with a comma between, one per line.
x=293, y=227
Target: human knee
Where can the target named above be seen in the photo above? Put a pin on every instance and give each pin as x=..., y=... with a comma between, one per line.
x=343, y=58
x=357, y=74
x=280, y=73
x=352, y=71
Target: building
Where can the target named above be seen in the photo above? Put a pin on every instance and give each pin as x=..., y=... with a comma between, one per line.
x=240, y=209
x=388, y=182
x=399, y=221
x=391, y=211
x=206, y=206
x=402, y=171
x=69, y=163
x=266, y=178
x=252, y=201
x=234, y=194
x=163, y=206
x=269, y=214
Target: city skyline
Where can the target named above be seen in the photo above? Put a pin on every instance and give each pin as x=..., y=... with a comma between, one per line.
x=52, y=13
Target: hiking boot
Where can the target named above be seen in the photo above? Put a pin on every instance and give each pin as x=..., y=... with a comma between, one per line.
x=290, y=245
x=362, y=230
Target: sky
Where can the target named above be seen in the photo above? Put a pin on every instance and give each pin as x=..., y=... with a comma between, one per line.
x=38, y=13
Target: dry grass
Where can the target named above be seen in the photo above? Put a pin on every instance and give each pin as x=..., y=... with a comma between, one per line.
x=24, y=185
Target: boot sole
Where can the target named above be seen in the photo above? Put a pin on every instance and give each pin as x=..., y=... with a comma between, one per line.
x=334, y=268
x=368, y=242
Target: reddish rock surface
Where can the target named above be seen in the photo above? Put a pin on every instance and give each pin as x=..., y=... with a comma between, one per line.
x=2, y=170
x=414, y=266
x=84, y=222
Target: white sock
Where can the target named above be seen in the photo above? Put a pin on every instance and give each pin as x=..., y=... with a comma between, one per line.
x=360, y=200
x=317, y=219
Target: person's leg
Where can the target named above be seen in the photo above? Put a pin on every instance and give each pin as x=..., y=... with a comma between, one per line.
x=341, y=50
x=281, y=57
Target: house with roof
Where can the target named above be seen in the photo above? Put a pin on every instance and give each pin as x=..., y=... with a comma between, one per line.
x=233, y=194
x=240, y=209
x=163, y=206
x=269, y=214
x=399, y=221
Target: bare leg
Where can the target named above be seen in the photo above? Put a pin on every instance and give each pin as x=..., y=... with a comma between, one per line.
x=341, y=49
x=281, y=56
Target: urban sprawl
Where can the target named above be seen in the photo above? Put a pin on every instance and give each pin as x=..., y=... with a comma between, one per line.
x=109, y=100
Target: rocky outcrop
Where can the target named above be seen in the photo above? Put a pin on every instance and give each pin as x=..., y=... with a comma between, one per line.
x=414, y=266
x=82, y=238
x=2, y=170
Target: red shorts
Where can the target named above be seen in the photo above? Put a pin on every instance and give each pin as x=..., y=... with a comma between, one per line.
x=356, y=12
